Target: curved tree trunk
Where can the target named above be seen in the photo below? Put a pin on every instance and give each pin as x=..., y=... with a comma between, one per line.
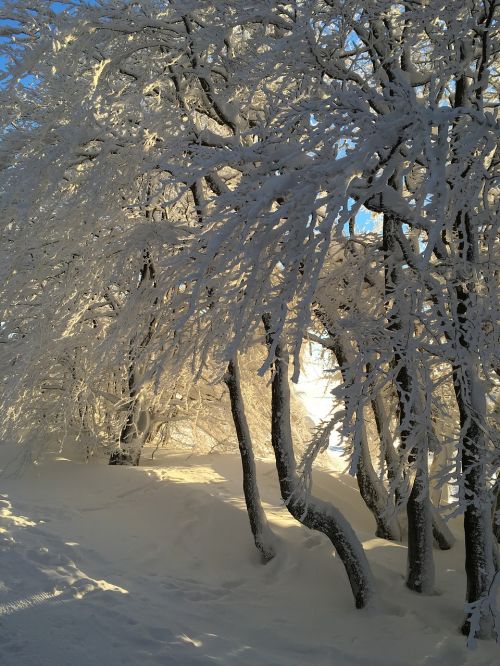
x=308, y=510
x=443, y=536
x=262, y=533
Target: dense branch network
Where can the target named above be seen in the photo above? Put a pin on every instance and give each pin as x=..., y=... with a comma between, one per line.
x=331, y=164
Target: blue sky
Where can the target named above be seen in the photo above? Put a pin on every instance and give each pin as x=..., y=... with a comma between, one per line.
x=55, y=6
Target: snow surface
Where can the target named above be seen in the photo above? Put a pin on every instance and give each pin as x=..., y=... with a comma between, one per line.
x=156, y=565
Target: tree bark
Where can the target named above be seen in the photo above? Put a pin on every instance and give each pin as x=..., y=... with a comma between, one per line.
x=420, y=573
x=128, y=452
x=468, y=385
x=478, y=529
x=132, y=436
x=308, y=510
x=262, y=533
x=388, y=449
x=496, y=511
x=420, y=566
x=471, y=401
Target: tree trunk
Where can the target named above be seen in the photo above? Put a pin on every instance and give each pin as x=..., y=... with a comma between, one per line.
x=374, y=494
x=128, y=451
x=133, y=436
x=478, y=530
x=496, y=511
x=443, y=537
x=390, y=454
x=469, y=388
x=420, y=573
x=371, y=488
x=308, y=510
x=420, y=568
x=134, y=433
x=262, y=533
x=471, y=401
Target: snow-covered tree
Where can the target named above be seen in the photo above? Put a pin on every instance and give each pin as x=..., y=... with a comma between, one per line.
x=273, y=127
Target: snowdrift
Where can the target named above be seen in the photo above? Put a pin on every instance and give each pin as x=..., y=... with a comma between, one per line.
x=156, y=565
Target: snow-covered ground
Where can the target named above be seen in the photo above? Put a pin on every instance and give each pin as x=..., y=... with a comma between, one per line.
x=155, y=565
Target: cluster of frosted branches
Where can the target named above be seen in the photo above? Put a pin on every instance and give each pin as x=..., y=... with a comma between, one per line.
x=171, y=172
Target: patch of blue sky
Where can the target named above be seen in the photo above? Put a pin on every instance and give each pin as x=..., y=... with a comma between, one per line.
x=353, y=40
x=72, y=6
x=5, y=39
x=365, y=221
x=28, y=81
x=444, y=100
x=61, y=6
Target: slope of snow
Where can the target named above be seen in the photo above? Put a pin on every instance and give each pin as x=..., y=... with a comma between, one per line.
x=156, y=565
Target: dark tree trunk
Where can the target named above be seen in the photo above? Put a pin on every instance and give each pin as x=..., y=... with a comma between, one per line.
x=420, y=568
x=471, y=402
x=496, y=511
x=469, y=392
x=262, y=533
x=129, y=450
x=133, y=436
x=420, y=574
x=375, y=496
x=420, y=565
x=478, y=530
x=308, y=510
